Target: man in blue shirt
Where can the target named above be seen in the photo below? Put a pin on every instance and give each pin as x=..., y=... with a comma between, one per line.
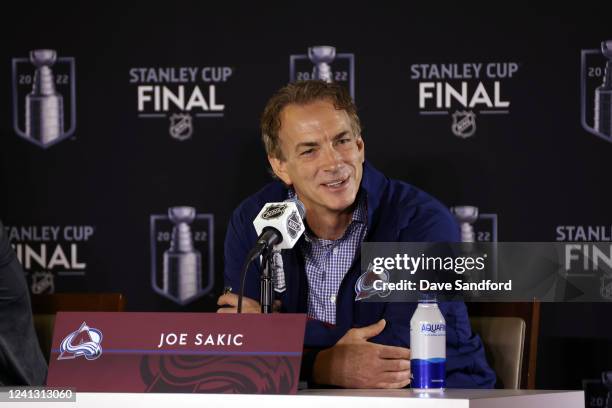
x=312, y=137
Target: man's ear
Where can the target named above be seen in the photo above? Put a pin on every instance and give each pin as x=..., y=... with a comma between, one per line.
x=361, y=147
x=279, y=167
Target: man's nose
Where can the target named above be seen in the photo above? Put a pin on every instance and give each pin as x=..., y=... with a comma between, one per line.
x=332, y=159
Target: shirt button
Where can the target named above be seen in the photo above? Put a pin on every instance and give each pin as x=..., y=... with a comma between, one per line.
x=333, y=298
x=335, y=250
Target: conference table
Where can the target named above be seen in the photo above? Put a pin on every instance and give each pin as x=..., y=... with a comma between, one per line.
x=336, y=398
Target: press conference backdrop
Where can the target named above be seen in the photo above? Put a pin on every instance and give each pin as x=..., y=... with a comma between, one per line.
x=122, y=125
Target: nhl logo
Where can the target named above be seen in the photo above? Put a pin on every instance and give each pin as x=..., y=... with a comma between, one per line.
x=181, y=126
x=42, y=282
x=274, y=211
x=294, y=226
x=464, y=124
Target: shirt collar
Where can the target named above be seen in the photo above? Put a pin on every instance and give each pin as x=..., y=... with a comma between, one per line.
x=360, y=213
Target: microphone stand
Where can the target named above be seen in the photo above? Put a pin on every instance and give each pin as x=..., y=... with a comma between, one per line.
x=266, y=286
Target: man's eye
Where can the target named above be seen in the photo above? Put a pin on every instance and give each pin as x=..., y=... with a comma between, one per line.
x=344, y=140
x=306, y=152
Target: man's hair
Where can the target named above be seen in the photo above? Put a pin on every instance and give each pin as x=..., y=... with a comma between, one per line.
x=303, y=93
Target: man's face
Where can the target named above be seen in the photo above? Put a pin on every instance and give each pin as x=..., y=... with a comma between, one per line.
x=322, y=158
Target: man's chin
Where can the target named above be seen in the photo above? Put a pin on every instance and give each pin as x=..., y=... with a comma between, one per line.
x=340, y=205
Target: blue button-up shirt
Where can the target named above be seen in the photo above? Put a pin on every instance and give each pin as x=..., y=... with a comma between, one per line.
x=327, y=261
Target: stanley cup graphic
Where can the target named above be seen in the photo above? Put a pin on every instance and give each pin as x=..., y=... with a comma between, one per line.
x=182, y=273
x=321, y=56
x=466, y=215
x=603, y=95
x=44, y=106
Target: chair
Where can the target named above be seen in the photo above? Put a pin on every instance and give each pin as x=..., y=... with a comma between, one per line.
x=509, y=332
x=44, y=308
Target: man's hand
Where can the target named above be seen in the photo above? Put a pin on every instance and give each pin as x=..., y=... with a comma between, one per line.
x=229, y=304
x=353, y=362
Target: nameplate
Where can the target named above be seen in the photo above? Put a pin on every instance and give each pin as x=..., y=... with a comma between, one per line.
x=177, y=352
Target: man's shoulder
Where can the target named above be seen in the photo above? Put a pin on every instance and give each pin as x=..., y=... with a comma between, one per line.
x=399, y=195
x=422, y=216
x=408, y=197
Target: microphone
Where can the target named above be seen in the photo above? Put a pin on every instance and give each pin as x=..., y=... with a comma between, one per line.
x=280, y=225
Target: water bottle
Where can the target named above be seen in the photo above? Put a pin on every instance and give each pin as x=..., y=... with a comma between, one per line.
x=428, y=347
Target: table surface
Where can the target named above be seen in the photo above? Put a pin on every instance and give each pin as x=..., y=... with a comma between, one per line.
x=335, y=398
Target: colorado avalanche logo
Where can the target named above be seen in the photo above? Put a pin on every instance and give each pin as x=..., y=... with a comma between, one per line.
x=83, y=342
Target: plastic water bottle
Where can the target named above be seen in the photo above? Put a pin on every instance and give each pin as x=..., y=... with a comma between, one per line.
x=428, y=348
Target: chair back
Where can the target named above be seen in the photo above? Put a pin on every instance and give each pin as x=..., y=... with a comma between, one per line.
x=509, y=332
